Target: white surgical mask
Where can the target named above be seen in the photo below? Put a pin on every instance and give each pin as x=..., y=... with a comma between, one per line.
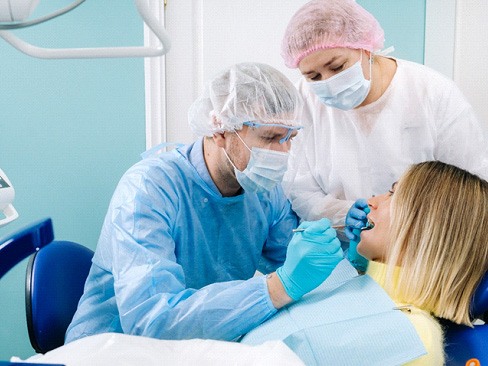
x=264, y=170
x=346, y=90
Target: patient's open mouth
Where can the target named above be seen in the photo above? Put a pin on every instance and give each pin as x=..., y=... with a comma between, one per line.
x=369, y=225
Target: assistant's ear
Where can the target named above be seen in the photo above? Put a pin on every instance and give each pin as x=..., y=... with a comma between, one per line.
x=369, y=55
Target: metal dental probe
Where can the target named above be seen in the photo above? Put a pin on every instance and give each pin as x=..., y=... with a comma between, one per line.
x=368, y=226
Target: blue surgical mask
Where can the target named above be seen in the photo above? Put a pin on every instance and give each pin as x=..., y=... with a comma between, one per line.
x=346, y=90
x=264, y=170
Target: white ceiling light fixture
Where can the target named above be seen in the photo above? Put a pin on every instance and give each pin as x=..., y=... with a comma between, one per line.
x=13, y=15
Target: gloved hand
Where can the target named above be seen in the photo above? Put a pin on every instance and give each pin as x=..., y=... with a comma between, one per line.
x=356, y=259
x=356, y=219
x=310, y=258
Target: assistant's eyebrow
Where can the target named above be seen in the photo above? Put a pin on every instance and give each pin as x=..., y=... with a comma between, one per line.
x=331, y=61
x=305, y=73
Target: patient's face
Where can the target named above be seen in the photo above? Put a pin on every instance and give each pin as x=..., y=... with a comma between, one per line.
x=374, y=242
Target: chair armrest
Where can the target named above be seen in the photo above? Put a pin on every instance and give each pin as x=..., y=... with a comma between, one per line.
x=22, y=243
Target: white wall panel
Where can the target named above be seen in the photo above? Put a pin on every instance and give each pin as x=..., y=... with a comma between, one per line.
x=471, y=54
x=210, y=35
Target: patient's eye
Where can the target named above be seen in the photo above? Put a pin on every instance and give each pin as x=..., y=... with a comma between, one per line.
x=392, y=190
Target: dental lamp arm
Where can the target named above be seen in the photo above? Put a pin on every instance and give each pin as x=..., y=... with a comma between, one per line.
x=103, y=52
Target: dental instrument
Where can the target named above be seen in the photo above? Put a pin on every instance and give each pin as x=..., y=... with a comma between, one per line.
x=299, y=229
x=368, y=226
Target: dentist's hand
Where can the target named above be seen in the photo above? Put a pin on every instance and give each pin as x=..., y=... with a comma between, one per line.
x=356, y=219
x=310, y=258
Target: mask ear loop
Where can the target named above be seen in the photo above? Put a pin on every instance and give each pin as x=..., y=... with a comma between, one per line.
x=240, y=138
x=227, y=155
x=370, y=64
x=228, y=158
x=371, y=56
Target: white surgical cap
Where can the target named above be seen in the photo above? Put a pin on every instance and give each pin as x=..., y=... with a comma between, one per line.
x=245, y=92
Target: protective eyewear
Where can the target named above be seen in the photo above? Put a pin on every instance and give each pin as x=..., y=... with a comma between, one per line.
x=289, y=128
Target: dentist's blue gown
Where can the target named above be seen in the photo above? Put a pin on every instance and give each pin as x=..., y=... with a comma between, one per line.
x=175, y=259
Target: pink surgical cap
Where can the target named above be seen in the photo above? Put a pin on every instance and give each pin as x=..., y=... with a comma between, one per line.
x=321, y=24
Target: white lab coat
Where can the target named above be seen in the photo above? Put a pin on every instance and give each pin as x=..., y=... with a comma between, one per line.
x=345, y=155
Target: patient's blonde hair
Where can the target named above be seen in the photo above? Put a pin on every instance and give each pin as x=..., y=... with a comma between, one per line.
x=439, y=226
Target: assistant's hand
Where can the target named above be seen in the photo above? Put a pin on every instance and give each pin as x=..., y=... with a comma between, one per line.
x=356, y=219
x=356, y=259
x=310, y=258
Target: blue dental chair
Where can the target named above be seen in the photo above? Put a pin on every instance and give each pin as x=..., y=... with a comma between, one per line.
x=55, y=278
x=465, y=345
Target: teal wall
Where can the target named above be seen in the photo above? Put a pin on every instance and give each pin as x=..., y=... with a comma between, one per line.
x=404, y=26
x=68, y=131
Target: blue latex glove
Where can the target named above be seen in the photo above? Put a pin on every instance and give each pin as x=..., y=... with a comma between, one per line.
x=356, y=219
x=356, y=259
x=310, y=258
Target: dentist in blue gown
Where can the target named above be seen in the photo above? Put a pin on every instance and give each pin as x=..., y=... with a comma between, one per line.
x=186, y=230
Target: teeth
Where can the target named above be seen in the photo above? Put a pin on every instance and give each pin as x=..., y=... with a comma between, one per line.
x=369, y=225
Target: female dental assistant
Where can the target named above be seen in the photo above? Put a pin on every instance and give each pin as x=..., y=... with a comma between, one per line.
x=186, y=230
x=367, y=117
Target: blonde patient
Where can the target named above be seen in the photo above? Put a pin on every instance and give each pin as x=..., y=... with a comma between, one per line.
x=428, y=246
x=426, y=255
